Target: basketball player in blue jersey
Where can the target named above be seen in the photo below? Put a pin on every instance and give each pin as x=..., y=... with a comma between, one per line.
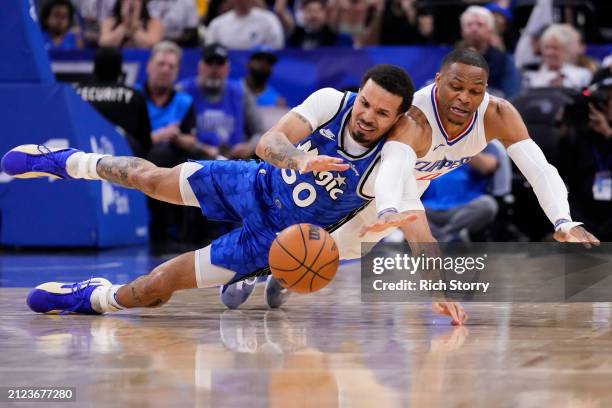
x=320, y=181
x=449, y=122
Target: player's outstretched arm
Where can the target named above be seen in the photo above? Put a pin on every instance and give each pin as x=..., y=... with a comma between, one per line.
x=503, y=122
x=395, y=182
x=276, y=146
x=421, y=241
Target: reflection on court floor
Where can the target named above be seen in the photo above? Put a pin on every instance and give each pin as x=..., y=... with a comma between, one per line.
x=322, y=350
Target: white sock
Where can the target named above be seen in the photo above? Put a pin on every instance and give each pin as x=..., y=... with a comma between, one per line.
x=103, y=299
x=82, y=165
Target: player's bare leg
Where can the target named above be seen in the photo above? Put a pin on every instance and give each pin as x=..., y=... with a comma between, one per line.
x=157, y=287
x=30, y=161
x=97, y=295
x=133, y=172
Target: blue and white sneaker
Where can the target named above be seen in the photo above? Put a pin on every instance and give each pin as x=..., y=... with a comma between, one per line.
x=232, y=296
x=57, y=297
x=275, y=294
x=31, y=161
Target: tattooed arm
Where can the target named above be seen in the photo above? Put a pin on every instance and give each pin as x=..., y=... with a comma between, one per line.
x=276, y=146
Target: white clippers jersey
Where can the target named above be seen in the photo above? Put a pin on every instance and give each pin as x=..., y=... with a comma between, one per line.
x=444, y=155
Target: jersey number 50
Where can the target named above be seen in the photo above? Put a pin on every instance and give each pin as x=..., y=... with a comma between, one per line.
x=307, y=191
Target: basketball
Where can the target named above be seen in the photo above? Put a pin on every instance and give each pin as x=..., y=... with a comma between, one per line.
x=304, y=258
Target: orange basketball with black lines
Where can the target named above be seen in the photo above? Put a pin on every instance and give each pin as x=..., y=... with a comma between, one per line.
x=304, y=258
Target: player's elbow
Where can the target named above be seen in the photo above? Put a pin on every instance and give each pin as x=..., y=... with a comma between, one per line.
x=260, y=148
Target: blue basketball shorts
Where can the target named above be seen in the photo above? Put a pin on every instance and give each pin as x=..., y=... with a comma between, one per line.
x=231, y=190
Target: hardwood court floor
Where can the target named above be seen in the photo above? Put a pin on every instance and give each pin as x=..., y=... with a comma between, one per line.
x=322, y=350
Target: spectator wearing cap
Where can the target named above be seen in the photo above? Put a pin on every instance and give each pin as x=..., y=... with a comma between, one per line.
x=131, y=26
x=228, y=121
x=506, y=36
x=315, y=31
x=123, y=106
x=246, y=27
x=179, y=19
x=57, y=20
x=259, y=69
x=477, y=31
x=559, y=44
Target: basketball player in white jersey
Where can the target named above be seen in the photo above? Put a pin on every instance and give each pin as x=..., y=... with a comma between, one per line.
x=449, y=122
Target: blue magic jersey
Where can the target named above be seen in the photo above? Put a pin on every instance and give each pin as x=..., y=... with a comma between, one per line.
x=322, y=198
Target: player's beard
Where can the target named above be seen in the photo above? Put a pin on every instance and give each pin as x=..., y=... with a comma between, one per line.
x=362, y=139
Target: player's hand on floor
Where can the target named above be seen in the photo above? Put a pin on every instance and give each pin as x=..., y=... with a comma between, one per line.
x=388, y=220
x=577, y=234
x=452, y=309
x=321, y=163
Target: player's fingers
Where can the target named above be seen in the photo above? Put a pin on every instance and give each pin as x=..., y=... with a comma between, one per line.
x=409, y=218
x=593, y=239
x=561, y=236
x=337, y=167
x=461, y=313
x=367, y=228
x=329, y=159
x=581, y=235
x=452, y=312
x=322, y=163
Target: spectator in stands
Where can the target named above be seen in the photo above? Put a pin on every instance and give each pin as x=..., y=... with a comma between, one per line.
x=172, y=112
x=245, y=27
x=559, y=45
x=131, y=26
x=91, y=13
x=458, y=204
x=581, y=59
x=228, y=120
x=584, y=160
x=179, y=19
x=506, y=36
x=57, y=22
x=259, y=69
x=174, y=125
x=477, y=30
x=604, y=71
x=395, y=22
x=121, y=105
x=315, y=32
x=350, y=17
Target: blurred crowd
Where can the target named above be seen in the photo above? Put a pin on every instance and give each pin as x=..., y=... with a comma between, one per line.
x=535, y=49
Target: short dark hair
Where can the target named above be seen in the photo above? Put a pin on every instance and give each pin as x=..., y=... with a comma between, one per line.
x=107, y=64
x=46, y=12
x=467, y=56
x=392, y=79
